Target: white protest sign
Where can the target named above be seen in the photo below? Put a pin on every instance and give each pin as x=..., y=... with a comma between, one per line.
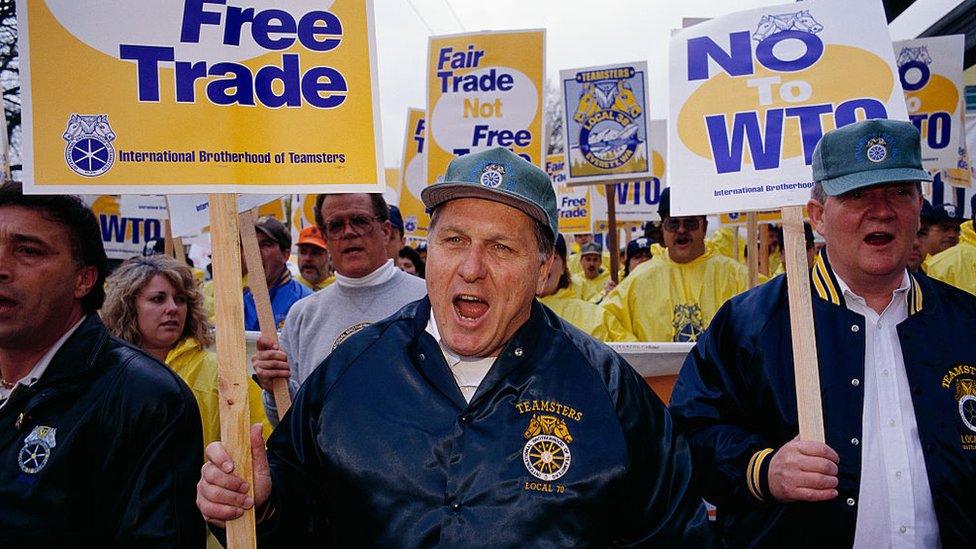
x=190, y=213
x=751, y=94
x=930, y=70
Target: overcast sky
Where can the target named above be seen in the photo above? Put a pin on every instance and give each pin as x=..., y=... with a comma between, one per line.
x=578, y=34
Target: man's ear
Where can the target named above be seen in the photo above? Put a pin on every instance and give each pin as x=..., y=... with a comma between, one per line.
x=85, y=280
x=544, y=269
x=816, y=211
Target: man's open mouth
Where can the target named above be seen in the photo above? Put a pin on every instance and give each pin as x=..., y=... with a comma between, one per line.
x=469, y=307
x=879, y=238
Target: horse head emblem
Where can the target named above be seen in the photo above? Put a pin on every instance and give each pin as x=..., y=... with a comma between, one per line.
x=798, y=21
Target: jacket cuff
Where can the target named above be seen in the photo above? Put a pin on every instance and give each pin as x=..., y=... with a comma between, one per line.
x=757, y=474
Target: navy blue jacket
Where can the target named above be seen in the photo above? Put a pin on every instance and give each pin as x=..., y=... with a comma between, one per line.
x=563, y=445
x=103, y=451
x=735, y=397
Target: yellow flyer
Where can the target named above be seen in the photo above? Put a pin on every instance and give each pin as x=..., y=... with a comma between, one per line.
x=484, y=90
x=415, y=218
x=193, y=96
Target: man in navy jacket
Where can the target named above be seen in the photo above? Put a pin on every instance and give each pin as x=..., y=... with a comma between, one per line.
x=475, y=416
x=899, y=393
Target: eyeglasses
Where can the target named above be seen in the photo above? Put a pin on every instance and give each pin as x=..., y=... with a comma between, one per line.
x=361, y=225
x=689, y=223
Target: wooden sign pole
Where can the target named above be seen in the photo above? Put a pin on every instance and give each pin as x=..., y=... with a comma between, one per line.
x=764, y=249
x=178, y=250
x=752, y=254
x=231, y=356
x=611, y=189
x=735, y=242
x=168, y=247
x=808, y=403
x=262, y=299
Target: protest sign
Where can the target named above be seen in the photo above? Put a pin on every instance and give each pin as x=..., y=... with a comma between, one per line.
x=751, y=93
x=574, y=203
x=605, y=110
x=124, y=234
x=484, y=90
x=636, y=201
x=412, y=180
x=149, y=206
x=190, y=213
x=184, y=97
x=930, y=71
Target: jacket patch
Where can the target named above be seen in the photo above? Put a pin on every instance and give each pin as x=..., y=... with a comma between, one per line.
x=37, y=449
x=546, y=453
x=686, y=319
x=348, y=332
x=961, y=380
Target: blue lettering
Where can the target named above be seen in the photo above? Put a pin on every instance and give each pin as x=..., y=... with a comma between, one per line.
x=766, y=56
x=288, y=75
x=187, y=75
x=923, y=78
x=846, y=112
x=334, y=87
x=147, y=60
x=194, y=17
x=811, y=127
x=263, y=28
x=939, y=130
x=737, y=62
x=745, y=126
x=220, y=91
x=309, y=30
x=236, y=17
x=418, y=136
x=113, y=228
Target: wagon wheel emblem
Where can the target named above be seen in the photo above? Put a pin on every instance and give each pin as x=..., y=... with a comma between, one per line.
x=546, y=457
x=90, y=154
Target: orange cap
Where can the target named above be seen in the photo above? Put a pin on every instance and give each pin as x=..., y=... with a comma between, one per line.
x=312, y=235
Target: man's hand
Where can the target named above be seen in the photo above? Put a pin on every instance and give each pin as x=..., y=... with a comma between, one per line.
x=803, y=470
x=222, y=495
x=270, y=363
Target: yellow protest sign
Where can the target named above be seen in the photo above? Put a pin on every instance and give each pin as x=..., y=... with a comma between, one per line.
x=192, y=97
x=412, y=182
x=484, y=90
x=573, y=202
x=392, y=192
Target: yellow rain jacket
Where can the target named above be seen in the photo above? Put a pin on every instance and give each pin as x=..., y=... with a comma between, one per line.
x=667, y=301
x=575, y=288
x=198, y=368
x=574, y=266
x=588, y=317
x=723, y=241
x=957, y=265
x=593, y=290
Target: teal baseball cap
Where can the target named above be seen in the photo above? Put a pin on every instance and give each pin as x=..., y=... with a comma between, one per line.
x=866, y=153
x=502, y=176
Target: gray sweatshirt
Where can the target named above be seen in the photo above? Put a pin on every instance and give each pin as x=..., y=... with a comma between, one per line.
x=318, y=323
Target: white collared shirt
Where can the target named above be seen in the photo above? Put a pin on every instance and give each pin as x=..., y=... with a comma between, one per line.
x=468, y=371
x=40, y=367
x=895, y=507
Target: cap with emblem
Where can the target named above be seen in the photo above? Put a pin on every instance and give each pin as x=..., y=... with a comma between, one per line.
x=502, y=176
x=945, y=213
x=275, y=230
x=591, y=248
x=866, y=153
x=638, y=245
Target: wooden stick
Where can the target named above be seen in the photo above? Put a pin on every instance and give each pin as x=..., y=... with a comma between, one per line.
x=752, y=254
x=611, y=189
x=262, y=299
x=231, y=356
x=735, y=242
x=764, y=249
x=168, y=242
x=178, y=250
x=809, y=406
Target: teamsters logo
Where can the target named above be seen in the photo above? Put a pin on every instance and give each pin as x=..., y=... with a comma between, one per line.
x=607, y=111
x=89, y=151
x=546, y=454
x=37, y=449
x=492, y=175
x=877, y=149
x=961, y=381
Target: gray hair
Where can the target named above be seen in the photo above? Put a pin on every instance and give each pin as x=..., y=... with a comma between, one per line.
x=543, y=239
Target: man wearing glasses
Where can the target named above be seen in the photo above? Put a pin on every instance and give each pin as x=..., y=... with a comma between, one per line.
x=674, y=296
x=368, y=288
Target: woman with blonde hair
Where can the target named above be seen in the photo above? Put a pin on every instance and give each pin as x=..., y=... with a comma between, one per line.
x=155, y=303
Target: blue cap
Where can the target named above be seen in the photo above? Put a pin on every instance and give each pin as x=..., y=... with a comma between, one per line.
x=866, y=153
x=395, y=218
x=942, y=213
x=637, y=245
x=502, y=176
